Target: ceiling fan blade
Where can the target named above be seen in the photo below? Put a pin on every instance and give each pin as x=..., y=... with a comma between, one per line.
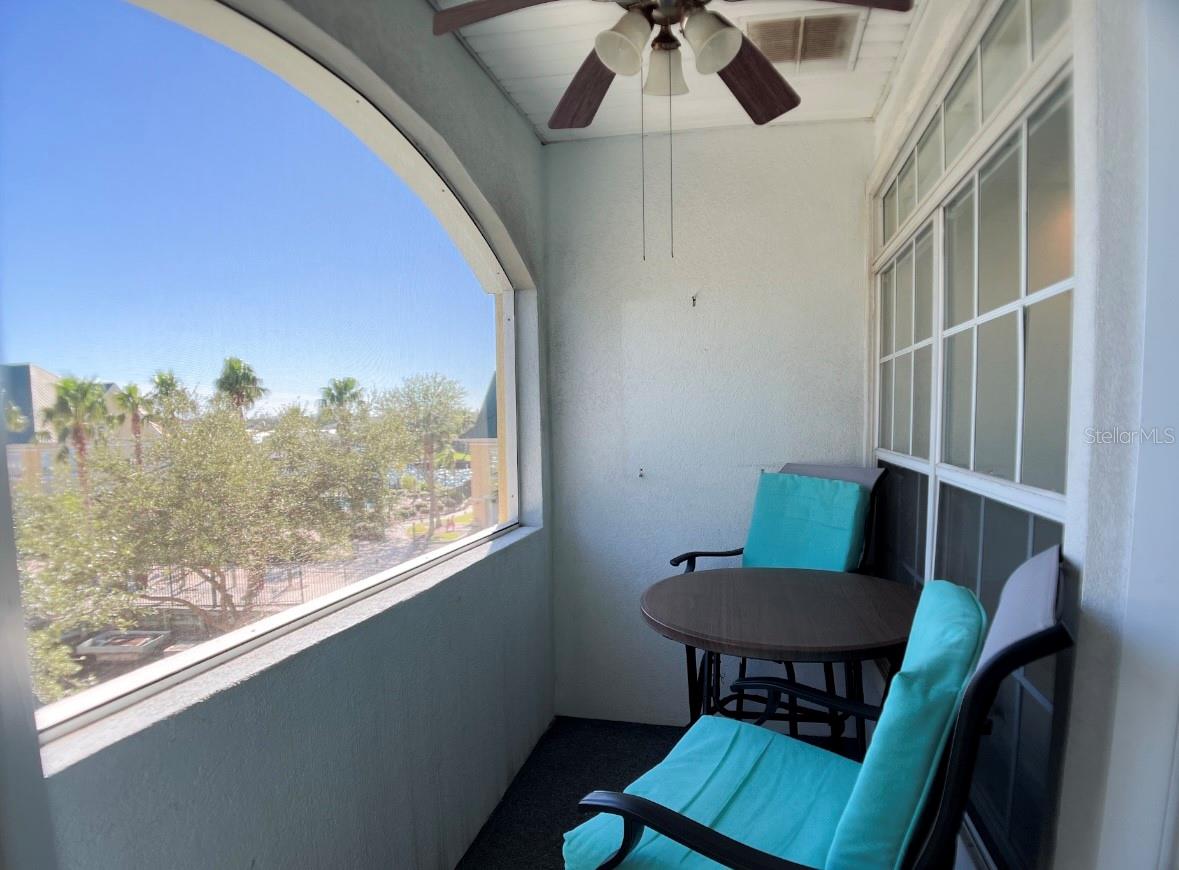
x=757, y=86
x=480, y=10
x=890, y=5
x=585, y=93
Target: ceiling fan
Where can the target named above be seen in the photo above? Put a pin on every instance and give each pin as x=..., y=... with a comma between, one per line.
x=719, y=48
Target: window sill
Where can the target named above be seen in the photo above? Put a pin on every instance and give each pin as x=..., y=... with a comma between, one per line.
x=65, y=746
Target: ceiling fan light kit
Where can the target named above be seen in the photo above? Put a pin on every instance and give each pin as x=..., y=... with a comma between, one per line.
x=719, y=47
x=714, y=41
x=621, y=47
x=665, y=75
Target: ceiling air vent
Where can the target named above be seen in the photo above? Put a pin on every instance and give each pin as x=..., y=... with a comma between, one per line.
x=777, y=39
x=806, y=39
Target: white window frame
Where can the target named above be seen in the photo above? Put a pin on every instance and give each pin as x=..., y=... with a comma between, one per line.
x=379, y=133
x=1043, y=80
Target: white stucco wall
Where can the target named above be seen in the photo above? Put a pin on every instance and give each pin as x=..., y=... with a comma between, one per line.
x=768, y=366
x=383, y=743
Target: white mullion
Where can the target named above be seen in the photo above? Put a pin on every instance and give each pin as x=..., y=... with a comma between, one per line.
x=974, y=318
x=1052, y=290
x=507, y=312
x=904, y=460
x=913, y=347
x=1041, y=502
x=1029, y=54
x=935, y=393
x=912, y=322
x=1021, y=331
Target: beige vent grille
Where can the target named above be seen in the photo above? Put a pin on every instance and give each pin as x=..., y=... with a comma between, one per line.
x=805, y=39
x=777, y=39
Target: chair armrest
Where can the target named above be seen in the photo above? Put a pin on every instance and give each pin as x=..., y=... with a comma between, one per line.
x=691, y=556
x=638, y=813
x=777, y=687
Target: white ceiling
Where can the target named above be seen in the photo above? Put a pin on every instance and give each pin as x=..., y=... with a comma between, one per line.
x=533, y=54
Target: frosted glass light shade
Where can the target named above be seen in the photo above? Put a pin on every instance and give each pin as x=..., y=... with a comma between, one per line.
x=714, y=41
x=665, y=78
x=621, y=47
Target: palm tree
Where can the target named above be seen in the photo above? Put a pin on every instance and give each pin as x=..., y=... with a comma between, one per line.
x=340, y=393
x=78, y=416
x=339, y=398
x=432, y=409
x=137, y=408
x=239, y=384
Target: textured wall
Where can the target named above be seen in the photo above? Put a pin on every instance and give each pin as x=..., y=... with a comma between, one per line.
x=385, y=744
x=769, y=365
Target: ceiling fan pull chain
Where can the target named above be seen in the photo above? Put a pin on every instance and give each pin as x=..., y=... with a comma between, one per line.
x=670, y=161
x=643, y=161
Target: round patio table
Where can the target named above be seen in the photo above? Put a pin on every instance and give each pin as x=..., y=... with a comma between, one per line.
x=782, y=615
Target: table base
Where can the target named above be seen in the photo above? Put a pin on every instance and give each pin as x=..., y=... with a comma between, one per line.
x=705, y=697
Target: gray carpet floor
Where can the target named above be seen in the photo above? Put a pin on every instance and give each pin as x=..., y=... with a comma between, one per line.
x=574, y=757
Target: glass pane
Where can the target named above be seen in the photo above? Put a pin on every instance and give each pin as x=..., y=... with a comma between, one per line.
x=1050, y=197
x=902, y=390
x=1042, y=672
x=922, y=389
x=885, y=434
x=923, y=288
x=904, y=303
x=257, y=393
x=1048, y=334
x=959, y=301
x=959, y=527
x=906, y=192
x=998, y=402
x=890, y=212
x=998, y=231
x=929, y=157
x=896, y=543
x=886, y=311
x=1004, y=54
x=1032, y=799
x=959, y=360
x=1047, y=16
x=1006, y=531
x=961, y=111
x=990, y=793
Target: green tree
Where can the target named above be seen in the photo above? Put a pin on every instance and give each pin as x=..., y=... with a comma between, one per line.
x=432, y=408
x=78, y=417
x=239, y=384
x=136, y=408
x=73, y=570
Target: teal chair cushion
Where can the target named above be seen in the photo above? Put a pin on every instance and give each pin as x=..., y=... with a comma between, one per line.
x=765, y=789
x=913, y=730
x=806, y=522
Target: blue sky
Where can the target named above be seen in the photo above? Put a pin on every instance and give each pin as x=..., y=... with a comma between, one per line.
x=165, y=202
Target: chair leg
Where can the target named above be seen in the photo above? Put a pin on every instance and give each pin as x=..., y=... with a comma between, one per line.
x=833, y=720
x=741, y=694
x=792, y=701
x=695, y=683
x=854, y=675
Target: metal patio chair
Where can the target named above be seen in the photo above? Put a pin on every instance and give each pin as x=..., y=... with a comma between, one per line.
x=753, y=799
x=867, y=478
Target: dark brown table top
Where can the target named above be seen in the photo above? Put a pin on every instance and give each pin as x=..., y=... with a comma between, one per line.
x=782, y=614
